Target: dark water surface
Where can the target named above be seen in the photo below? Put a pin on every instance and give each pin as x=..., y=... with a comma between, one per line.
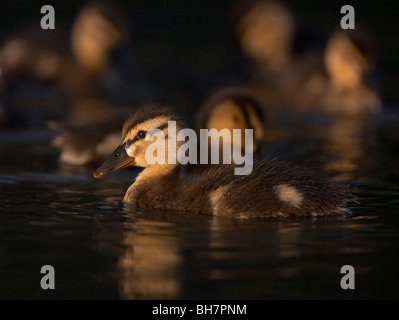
x=63, y=217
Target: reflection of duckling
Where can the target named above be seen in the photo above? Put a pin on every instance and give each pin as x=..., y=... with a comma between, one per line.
x=149, y=264
x=273, y=189
x=349, y=61
x=233, y=109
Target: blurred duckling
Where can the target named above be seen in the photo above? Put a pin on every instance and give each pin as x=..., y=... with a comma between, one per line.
x=98, y=40
x=91, y=133
x=234, y=108
x=265, y=30
x=98, y=30
x=283, y=58
x=34, y=54
x=272, y=189
x=349, y=63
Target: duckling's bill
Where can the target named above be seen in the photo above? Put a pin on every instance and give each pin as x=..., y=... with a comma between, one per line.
x=118, y=160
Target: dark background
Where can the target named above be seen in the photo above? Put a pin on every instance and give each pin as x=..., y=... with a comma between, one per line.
x=178, y=38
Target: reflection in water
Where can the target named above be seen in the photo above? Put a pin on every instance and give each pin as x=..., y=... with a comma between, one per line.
x=81, y=226
x=347, y=141
x=149, y=264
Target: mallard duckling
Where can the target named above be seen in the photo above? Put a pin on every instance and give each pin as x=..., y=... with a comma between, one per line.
x=97, y=31
x=349, y=63
x=93, y=129
x=233, y=109
x=75, y=62
x=91, y=133
x=265, y=30
x=272, y=189
x=285, y=61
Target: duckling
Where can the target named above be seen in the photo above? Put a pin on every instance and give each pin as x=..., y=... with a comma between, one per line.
x=272, y=189
x=77, y=62
x=265, y=30
x=93, y=129
x=34, y=54
x=234, y=108
x=284, y=60
x=349, y=63
x=91, y=133
x=97, y=31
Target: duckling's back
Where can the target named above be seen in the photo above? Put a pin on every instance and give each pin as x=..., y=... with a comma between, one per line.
x=279, y=189
x=273, y=189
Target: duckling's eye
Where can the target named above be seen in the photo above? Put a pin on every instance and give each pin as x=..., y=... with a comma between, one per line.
x=141, y=134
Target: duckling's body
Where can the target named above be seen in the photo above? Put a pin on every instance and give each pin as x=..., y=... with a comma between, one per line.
x=272, y=189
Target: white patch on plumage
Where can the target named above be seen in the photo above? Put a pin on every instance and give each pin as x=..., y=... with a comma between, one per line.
x=216, y=198
x=289, y=195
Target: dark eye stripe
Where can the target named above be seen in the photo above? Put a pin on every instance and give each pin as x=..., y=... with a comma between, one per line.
x=165, y=125
x=128, y=143
x=136, y=138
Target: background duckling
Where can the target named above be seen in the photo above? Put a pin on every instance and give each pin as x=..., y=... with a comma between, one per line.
x=282, y=57
x=272, y=189
x=91, y=133
x=349, y=62
x=35, y=55
x=231, y=109
x=94, y=57
x=265, y=30
x=100, y=40
x=96, y=30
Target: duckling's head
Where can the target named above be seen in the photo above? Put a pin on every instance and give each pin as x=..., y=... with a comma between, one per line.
x=234, y=109
x=98, y=28
x=265, y=30
x=140, y=131
x=348, y=58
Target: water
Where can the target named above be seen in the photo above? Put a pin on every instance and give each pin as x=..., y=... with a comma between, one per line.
x=60, y=216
